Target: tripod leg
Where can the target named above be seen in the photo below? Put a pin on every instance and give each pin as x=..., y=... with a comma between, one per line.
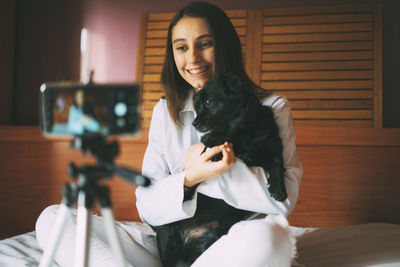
x=103, y=195
x=55, y=237
x=69, y=198
x=85, y=203
x=113, y=237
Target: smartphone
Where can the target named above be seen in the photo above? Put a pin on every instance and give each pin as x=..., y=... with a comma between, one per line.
x=75, y=109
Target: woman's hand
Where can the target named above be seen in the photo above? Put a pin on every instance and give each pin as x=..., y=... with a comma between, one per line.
x=199, y=167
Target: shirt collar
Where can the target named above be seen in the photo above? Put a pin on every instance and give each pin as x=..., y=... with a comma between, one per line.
x=188, y=105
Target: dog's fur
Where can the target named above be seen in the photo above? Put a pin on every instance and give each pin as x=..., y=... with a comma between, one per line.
x=226, y=111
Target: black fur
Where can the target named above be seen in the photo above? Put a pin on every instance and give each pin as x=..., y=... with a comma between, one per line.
x=226, y=111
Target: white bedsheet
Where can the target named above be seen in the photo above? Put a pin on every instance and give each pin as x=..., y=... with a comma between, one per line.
x=363, y=245
x=21, y=250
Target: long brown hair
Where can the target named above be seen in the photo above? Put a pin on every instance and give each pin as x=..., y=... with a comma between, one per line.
x=228, y=56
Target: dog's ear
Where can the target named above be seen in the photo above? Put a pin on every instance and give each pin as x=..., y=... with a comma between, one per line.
x=231, y=83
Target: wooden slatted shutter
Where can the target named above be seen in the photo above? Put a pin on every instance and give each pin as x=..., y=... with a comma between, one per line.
x=153, y=36
x=326, y=60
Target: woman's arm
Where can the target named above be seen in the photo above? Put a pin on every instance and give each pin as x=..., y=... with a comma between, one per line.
x=162, y=201
x=246, y=188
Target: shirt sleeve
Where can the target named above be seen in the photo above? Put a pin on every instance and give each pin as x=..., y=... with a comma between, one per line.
x=161, y=202
x=246, y=188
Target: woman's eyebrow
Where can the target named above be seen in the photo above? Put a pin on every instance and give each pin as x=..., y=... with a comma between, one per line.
x=179, y=40
x=204, y=36
x=198, y=38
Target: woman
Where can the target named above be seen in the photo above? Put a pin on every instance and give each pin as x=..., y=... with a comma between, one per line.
x=201, y=44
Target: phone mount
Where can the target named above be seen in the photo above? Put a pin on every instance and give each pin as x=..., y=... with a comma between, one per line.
x=85, y=192
x=105, y=154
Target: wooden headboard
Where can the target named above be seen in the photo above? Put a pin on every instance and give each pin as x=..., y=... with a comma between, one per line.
x=351, y=176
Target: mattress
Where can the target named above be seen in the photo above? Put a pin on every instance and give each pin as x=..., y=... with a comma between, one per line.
x=374, y=244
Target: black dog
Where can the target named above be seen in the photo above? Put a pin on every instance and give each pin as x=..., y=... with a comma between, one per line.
x=226, y=111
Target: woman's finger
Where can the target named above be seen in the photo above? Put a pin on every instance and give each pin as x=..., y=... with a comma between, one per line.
x=211, y=152
x=228, y=155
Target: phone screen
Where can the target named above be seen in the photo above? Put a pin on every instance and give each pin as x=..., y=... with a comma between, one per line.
x=75, y=110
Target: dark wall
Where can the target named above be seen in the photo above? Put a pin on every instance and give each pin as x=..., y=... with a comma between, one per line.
x=7, y=29
x=391, y=64
x=46, y=45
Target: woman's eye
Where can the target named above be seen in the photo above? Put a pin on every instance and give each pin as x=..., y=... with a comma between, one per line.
x=208, y=102
x=205, y=44
x=181, y=48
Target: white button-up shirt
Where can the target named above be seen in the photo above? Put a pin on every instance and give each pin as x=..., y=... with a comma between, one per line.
x=241, y=186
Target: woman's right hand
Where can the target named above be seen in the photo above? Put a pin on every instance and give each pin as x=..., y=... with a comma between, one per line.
x=199, y=167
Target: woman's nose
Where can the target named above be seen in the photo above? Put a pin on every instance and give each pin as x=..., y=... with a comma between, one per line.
x=194, y=55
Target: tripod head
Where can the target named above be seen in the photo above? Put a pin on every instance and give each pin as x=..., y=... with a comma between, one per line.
x=105, y=154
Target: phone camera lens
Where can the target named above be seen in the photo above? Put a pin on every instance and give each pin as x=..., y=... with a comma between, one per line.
x=120, y=109
x=121, y=123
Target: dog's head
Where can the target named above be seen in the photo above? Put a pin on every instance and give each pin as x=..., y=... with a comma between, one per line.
x=219, y=102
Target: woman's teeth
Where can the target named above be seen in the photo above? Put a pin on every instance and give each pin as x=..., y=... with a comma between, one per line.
x=197, y=71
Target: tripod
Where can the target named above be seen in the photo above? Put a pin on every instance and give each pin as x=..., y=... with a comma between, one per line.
x=85, y=192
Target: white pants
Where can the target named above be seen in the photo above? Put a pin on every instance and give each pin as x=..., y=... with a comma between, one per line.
x=253, y=243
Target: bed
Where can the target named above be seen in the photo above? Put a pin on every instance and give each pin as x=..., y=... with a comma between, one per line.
x=348, y=212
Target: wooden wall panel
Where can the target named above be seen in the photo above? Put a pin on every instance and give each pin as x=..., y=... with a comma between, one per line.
x=326, y=60
x=350, y=174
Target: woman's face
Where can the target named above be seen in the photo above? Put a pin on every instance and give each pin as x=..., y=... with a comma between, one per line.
x=193, y=48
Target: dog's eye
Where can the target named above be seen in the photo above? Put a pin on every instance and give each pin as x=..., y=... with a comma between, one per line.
x=208, y=102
